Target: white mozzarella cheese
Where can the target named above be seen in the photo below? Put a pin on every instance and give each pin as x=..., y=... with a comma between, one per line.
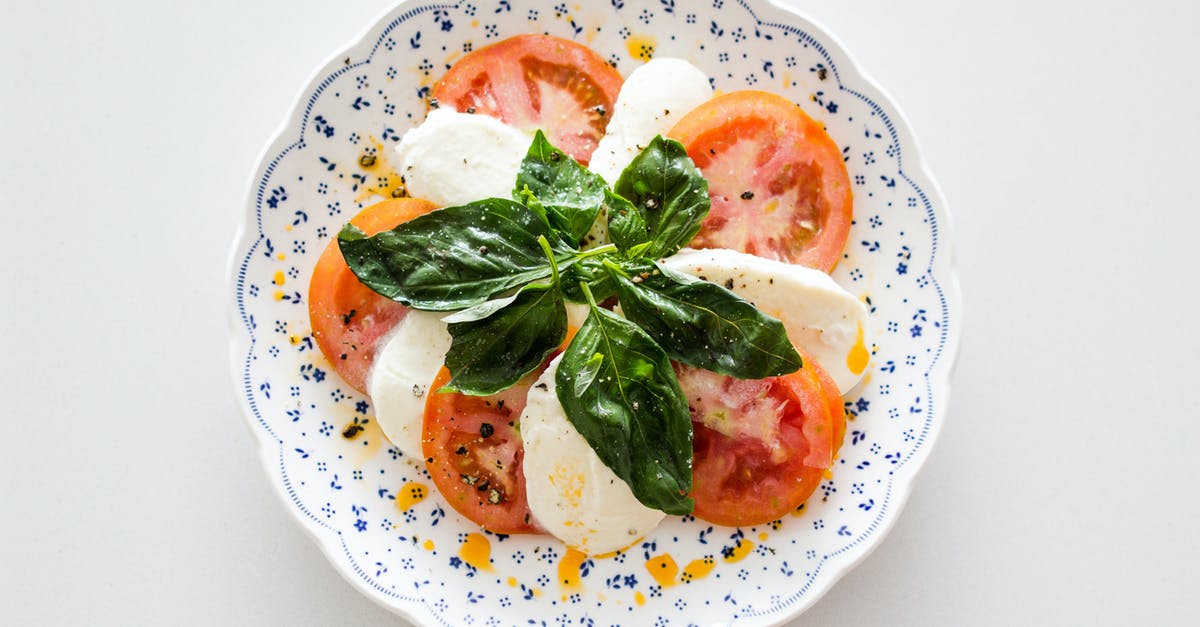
x=821, y=318
x=572, y=494
x=399, y=382
x=454, y=158
x=650, y=102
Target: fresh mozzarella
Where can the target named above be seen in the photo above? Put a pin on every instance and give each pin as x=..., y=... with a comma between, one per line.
x=572, y=494
x=821, y=318
x=454, y=158
x=399, y=382
x=651, y=100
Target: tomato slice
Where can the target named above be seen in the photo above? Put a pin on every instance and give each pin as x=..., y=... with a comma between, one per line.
x=777, y=181
x=348, y=319
x=474, y=454
x=537, y=82
x=761, y=446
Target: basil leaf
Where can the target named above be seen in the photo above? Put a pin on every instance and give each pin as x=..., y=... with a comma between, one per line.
x=619, y=391
x=626, y=225
x=489, y=355
x=568, y=193
x=705, y=325
x=668, y=192
x=455, y=257
x=591, y=271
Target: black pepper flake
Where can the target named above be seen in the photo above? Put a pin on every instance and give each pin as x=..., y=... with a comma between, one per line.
x=433, y=103
x=483, y=250
x=542, y=386
x=462, y=450
x=398, y=192
x=728, y=284
x=351, y=431
x=822, y=73
x=346, y=318
x=470, y=109
x=366, y=161
x=600, y=110
x=486, y=430
x=483, y=487
x=747, y=195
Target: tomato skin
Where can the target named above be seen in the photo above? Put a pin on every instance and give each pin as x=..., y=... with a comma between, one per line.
x=348, y=318
x=478, y=468
x=537, y=82
x=777, y=181
x=767, y=455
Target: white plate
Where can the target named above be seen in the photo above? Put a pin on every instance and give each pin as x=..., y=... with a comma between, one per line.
x=353, y=495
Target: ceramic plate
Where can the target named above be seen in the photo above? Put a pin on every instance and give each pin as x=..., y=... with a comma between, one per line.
x=372, y=510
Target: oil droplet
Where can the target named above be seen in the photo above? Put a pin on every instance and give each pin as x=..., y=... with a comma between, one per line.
x=762, y=537
x=477, y=551
x=857, y=360
x=278, y=295
x=640, y=46
x=639, y=598
x=281, y=256
x=512, y=582
x=568, y=569
x=663, y=568
x=697, y=569
x=410, y=494
x=428, y=544
x=739, y=551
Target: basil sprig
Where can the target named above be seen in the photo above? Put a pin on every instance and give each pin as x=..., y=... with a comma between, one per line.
x=507, y=267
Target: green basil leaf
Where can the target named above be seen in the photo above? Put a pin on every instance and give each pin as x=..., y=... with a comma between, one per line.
x=705, y=325
x=568, y=193
x=626, y=225
x=455, y=257
x=493, y=353
x=591, y=271
x=620, y=392
x=668, y=192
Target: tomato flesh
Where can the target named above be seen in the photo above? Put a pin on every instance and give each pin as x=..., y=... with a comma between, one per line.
x=348, y=318
x=474, y=454
x=761, y=446
x=777, y=182
x=537, y=82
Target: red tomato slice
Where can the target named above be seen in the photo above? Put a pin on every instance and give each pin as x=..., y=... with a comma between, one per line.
x=761, y=445
x=537, y=82
x=474, y=454
x=778, y=184
x=348, y=319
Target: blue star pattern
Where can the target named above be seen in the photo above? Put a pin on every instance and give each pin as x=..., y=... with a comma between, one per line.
x=317, y=431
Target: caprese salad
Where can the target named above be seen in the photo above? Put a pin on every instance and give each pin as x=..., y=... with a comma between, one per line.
x=602, y=300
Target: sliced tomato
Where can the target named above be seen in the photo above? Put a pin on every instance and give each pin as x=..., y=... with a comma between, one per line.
x=777, y=181
x=348, y=319
x=474, y=454
x=761, y=445
x=537, y=82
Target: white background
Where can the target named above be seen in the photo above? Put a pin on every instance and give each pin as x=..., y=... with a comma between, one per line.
x=1063, y=487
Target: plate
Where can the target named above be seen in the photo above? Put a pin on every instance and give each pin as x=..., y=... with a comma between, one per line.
x=373, y=511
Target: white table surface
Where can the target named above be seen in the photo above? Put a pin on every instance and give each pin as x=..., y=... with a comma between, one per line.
x=1062, y=489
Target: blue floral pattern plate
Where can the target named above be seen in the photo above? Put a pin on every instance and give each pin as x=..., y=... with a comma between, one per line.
x=373, y=510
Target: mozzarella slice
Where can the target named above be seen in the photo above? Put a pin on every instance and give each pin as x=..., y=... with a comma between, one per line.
x=454, y=158
x=651, y=100
x=399, y=382
x=821, y=318
x=572, y=494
